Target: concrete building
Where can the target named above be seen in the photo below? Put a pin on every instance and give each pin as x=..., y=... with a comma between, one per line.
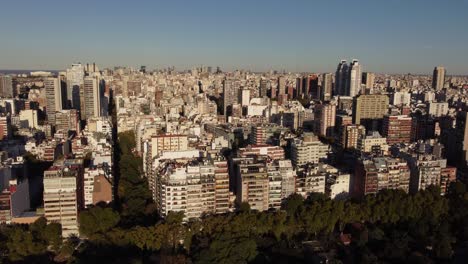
x=273, y=152
x=14, y=190
x=438, y=78
x=341, y=78
x=92, y=97
x=5, y=127
x=373, y=143
x=75, y=78
x=370, y=107
x=325, y=118
x=350, y=136
x=193, y=188
x=252, y=182
x=355, y=79
x=397, y=129
x=379, y=173
x=231, y=92
x=97, y=186
x=53, y=98
x=401, y=98
x=162, y=143
x=63, y=197
x=327, y=87
x=6, y=87
x=438, y=109
x=28, y=118
x=67, y=120
x=309, y=149
x=368, y=79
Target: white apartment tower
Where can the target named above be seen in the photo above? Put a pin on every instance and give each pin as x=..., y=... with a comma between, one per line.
x=355, y=78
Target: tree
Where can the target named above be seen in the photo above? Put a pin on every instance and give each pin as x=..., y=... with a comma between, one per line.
x=97, y=220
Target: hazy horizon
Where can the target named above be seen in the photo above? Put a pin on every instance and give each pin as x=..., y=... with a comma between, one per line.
x=297, y=36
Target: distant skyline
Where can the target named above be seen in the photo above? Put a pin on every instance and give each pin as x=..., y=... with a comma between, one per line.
x=297, y=36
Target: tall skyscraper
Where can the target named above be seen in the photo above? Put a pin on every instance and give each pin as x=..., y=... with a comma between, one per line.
x=314, y=89
x=6, y=87
x=264, y=87
x=281, y=85
x=92, y=97
x=368, y=79
x=354, y=81
x=438, y=78
x=231, y=90
x=325, y=115
x=53, y=98
x=75, y=78
x=299, y=87
x=341, y=78
x=327, y=83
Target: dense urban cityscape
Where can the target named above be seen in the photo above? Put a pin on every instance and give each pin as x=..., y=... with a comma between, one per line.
x=91, y=155
x=233, y=132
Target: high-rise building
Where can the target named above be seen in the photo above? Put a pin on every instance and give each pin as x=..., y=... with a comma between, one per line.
x=355, y=75
x=314, y=89
x=92, y=97
x=53, y=98
x=231, y=90
x=193, y=188
x=325, y=117
x=370, y=107
x=245, y=97
x=350, y=136
x=252, y=182
x=5, y=127
x=341, y=78
x=299, y=87
x=264, y=87
x=6, y=87
x=327, y=85
x=75, y=78
x=63, y=197
x=425, y=171
x=397, y=129
x=373, y=175
x=281, y=85
x=322, y=178
x=368, y=79
x=438, y=109
x=438, y=78
x=309, y=149
x=163, y=143
x=67, y=120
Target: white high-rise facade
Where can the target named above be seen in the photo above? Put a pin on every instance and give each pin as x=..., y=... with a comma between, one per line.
x=355, y=78
x=60, y=200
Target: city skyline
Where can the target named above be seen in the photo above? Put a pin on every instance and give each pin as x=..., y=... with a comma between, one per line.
x=296, y=37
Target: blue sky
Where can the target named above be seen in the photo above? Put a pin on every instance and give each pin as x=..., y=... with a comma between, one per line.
x=396, y=36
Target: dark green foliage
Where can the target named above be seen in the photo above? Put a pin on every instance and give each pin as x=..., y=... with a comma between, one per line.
x=34, y=241
x=390, y=227
x=133, y=190
x=97, y=221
